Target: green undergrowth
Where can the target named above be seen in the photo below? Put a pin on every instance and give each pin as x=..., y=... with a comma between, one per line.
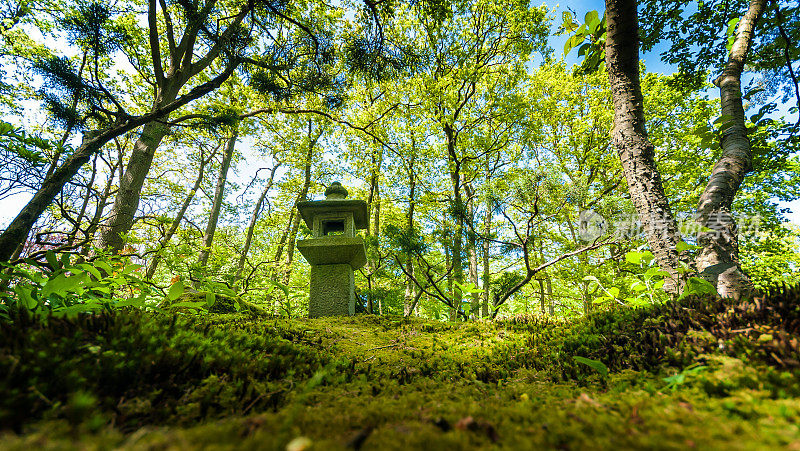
x=696, y=373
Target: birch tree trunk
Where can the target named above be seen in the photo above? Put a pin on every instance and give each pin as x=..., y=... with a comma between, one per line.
x=720, y=245
x=630, y=138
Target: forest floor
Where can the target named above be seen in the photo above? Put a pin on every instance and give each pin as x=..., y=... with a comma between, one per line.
x=703, y=374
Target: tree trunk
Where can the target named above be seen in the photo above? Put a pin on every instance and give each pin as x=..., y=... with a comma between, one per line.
x=541, y=296
x=487, y=229
x=630, y=138
x=151, y=270
x=253, y=218
x=458, y=209
x=303, y=195
x=16, y=232
x=550, y=296
x=102, y=201
x=720, y=245
x=216, y=205
x=126, y=202
x=374, y=205
x=409, y=295
x=472, y=253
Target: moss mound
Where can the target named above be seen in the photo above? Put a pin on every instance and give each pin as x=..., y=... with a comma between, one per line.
x=694, y=373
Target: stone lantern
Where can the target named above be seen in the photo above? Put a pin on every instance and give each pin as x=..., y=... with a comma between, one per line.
x=334, y=252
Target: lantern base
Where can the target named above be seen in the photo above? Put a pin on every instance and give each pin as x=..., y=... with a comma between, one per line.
x=332, y=291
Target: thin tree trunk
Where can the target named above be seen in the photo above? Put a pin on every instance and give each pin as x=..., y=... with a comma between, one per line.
x=720, y=245
x=550, y=296
x=410, y=295
x=216, y=205
x=285, y=235
x=630, y=138
x=458, y=208
x=472, y=252
x=303, y=195
x=448, y=260
x=84, y=205
x=102, y=201
x=487, y=229
x=16, y=232
x=541, y=296
x=151, y=270
x=374, y=205
x=253, y=219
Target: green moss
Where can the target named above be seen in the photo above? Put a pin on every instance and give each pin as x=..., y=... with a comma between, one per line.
x=136, y=380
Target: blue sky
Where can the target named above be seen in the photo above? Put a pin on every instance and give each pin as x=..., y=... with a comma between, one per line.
x=10, y=207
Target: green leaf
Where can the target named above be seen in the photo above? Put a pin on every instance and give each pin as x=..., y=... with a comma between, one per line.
x=210, y=299
x=91, y=269
x=614, y=291
x=633, y=257
x=697, y=285
x=60, y=286
x=24, y=296
x=596, y=365
x=104, y=266
x=638, y=286
x=683, y=246
x=175, y=291
x=131, y=268
x=137, y=302
x=51, y=258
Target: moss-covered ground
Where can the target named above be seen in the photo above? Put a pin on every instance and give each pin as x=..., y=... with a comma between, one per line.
x=703, y=374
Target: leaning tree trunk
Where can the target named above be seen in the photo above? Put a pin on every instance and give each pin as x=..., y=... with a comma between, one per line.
x=630, y=138
x=126, y=202
x=151, y=270
x=719, y=243
x=216, y=206
x=253, y=219
x=16, y=232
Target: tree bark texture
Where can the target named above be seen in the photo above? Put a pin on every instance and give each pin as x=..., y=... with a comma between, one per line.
x=126, y=202
x=720, y=244
x=630, y=139
x=216, y=205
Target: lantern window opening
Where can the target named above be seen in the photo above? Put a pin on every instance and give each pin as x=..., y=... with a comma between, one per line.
x=333, y=227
